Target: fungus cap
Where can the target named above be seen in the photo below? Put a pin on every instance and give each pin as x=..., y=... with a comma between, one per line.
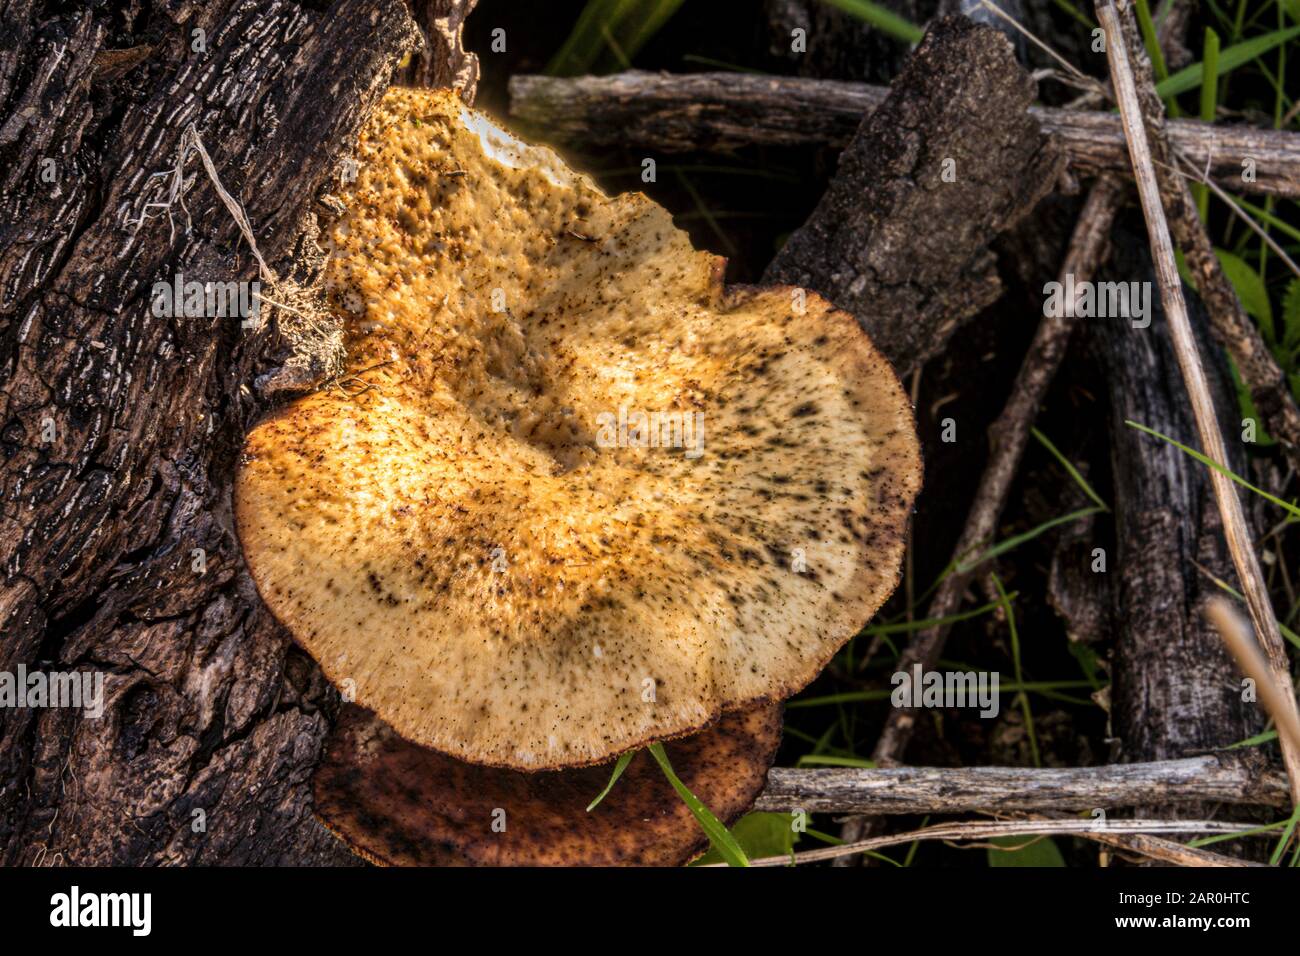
x=399, y=804
x=580, y=496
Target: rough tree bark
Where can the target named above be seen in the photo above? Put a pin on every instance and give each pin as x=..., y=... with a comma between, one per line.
x=949, y=159
x=120, y=429
x=443, y=61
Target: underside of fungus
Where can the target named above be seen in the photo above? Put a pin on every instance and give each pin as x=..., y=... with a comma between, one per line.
x=580, y=495
x=399, y=804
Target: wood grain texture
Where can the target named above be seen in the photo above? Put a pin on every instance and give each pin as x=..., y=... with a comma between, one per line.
x=1213, y=778
x=443, y=62
x=1175, y=690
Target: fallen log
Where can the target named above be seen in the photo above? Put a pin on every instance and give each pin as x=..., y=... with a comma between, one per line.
x=716, y=112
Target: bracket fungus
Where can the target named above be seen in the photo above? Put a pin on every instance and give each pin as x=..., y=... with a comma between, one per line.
x=399, y=804
x=585, y=496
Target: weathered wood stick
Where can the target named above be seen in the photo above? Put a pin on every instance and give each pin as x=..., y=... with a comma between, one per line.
x=1171, y=294
x=1214, y=778
x=1172, y=691
x=721, y=111
x=444, y=60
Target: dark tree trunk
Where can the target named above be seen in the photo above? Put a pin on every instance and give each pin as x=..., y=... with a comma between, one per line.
x=1175, y=693
x=120, y=429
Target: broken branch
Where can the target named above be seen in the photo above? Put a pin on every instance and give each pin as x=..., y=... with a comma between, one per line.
x=1212, y=778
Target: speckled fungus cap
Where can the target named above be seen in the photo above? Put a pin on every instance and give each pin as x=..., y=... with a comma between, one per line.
x=586, y=497
x=399, y=804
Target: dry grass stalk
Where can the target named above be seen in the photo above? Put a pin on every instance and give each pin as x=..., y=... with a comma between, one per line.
x=1106, y=832
x=1277, y=699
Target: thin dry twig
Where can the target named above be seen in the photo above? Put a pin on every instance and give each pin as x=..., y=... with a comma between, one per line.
x=1240, y=778
x=981, y=830
x=1236, y=530
x=1082, y=79
x=1203, y=177
x=1167, y=851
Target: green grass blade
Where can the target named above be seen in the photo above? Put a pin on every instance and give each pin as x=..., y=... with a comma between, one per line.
x=1075, y=12
x=1222, y=837
x=825, y=760
x=1206, y=460
x=1023, y=698
x=1285, y=838
x=1150, y=40
x=713, y=828
x=1267, y=217
x=1003, y=547
x=915, y=844
x=904, y=627
x=1070, y=469
x=609, y=33
x=886, y=21
x=619, y=767
x=1239, y=54
x=848, y=697
x=583, y=46
x=1267, y=736
x=648, y=20
x=722, y=64
x=1004, y=687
